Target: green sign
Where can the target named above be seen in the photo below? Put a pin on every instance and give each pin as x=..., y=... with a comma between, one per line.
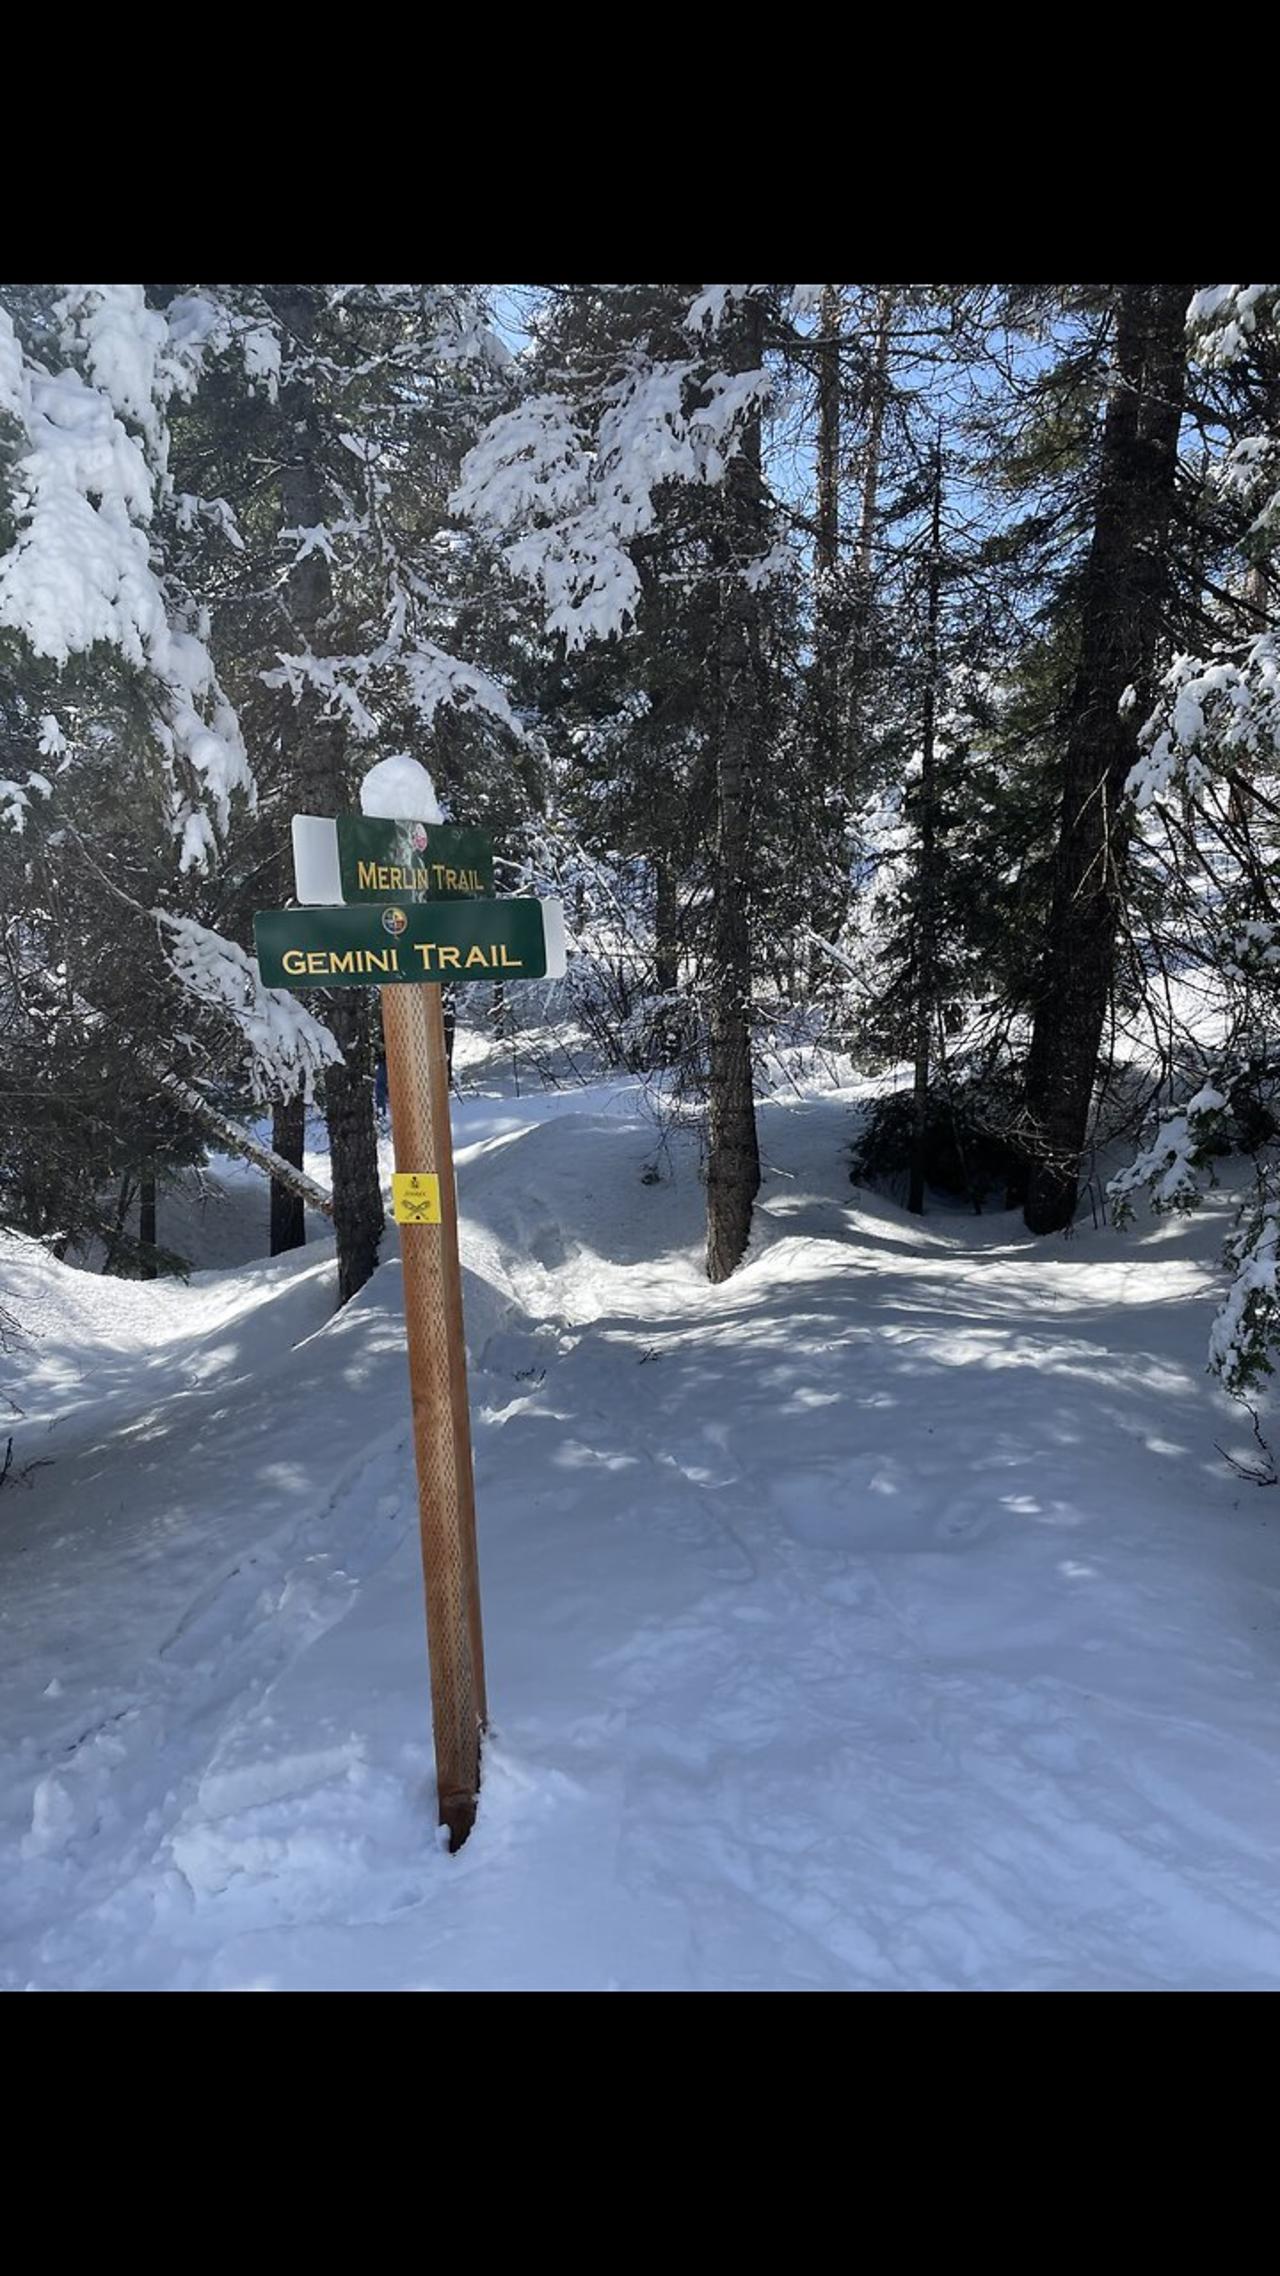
x=411, y=861
x=408, y=941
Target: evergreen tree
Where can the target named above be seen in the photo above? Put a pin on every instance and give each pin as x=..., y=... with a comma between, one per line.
x=1205, y=788
x=332, y=587
x=126, y=774
x=1123, y=613
x=260, y=474
x=642, y=470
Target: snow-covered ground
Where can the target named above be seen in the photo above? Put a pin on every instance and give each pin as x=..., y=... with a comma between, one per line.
x=885, y=1619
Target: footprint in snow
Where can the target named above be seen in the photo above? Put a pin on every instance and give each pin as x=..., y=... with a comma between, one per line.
x=547, y=1248
x=877, y=1502
x=869, y=1502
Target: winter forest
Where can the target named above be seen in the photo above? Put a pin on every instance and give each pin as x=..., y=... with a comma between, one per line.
x=868, y=1246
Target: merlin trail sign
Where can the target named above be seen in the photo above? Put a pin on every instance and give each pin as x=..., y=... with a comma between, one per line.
x=359, y=857
x=417, y=861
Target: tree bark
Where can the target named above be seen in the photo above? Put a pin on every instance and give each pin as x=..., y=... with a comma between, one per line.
x=666, y=949
x=876, y=405
x=314, y=748
x=358, y=1216
x=288, y=1135
x=733, y=1153
x=826, y=549
x=1126, y=586
x=147, y=1220
x=666, y=961
x=926, y=861
x=114, y=1241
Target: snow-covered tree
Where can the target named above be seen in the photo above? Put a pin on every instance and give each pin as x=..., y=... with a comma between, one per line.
x=224, y=530
x=627, y=486
x=1206, y=789
x=124, y=769
x=340, y=596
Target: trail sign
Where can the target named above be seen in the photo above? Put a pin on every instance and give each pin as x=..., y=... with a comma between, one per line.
x=423, y=861
x=406, y=941
x=359, y=857
x=415, y=1198
x=394, y=905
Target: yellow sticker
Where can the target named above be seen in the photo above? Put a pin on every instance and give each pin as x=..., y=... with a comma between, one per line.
x=415, y=1198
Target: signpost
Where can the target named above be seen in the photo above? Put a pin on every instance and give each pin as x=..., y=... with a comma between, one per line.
x=433, y=924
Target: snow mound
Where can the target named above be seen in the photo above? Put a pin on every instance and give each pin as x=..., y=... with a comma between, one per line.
x=400, y=790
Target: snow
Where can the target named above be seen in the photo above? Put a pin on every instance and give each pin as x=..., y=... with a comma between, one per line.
x=399, y=789
x=1224, y=318
x=430, y=678
x=1227, y=705
x=288, y=1047
x=125, y=344
x=80, y=570
x=883, y=1619
x=577, y=500
x=708, y=311
x=261, y=351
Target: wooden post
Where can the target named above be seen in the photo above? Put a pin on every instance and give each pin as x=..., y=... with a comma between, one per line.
x=418, y=1091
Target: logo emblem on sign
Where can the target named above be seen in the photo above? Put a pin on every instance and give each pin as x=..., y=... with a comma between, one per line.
x=418, y=838
x=394, y=922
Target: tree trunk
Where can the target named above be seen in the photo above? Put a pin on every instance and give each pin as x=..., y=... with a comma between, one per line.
x=876, y=405
x=926, y=860
x=288, y=1134
x=115, y=1238
x=147, y=1221
x=858, y=627
x=826, y=549
x=314, y=749
x=666, y=962
x=358, y=1216
x=1126, y=586
x=733, y=1153
x=666, y=946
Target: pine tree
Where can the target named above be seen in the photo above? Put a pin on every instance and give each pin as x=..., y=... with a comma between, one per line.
x=1205, y=791
x=127, y=775
x=1123, y=611
x=330, y=597
x=258, y=473
x=639, y=478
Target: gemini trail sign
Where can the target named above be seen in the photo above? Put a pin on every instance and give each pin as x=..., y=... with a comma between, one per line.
x=406, y=906
x=410, y=941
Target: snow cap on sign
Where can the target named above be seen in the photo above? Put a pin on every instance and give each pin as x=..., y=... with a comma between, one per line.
x=400, y=790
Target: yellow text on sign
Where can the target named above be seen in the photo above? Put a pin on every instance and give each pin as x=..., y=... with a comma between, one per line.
x=415, y=1198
